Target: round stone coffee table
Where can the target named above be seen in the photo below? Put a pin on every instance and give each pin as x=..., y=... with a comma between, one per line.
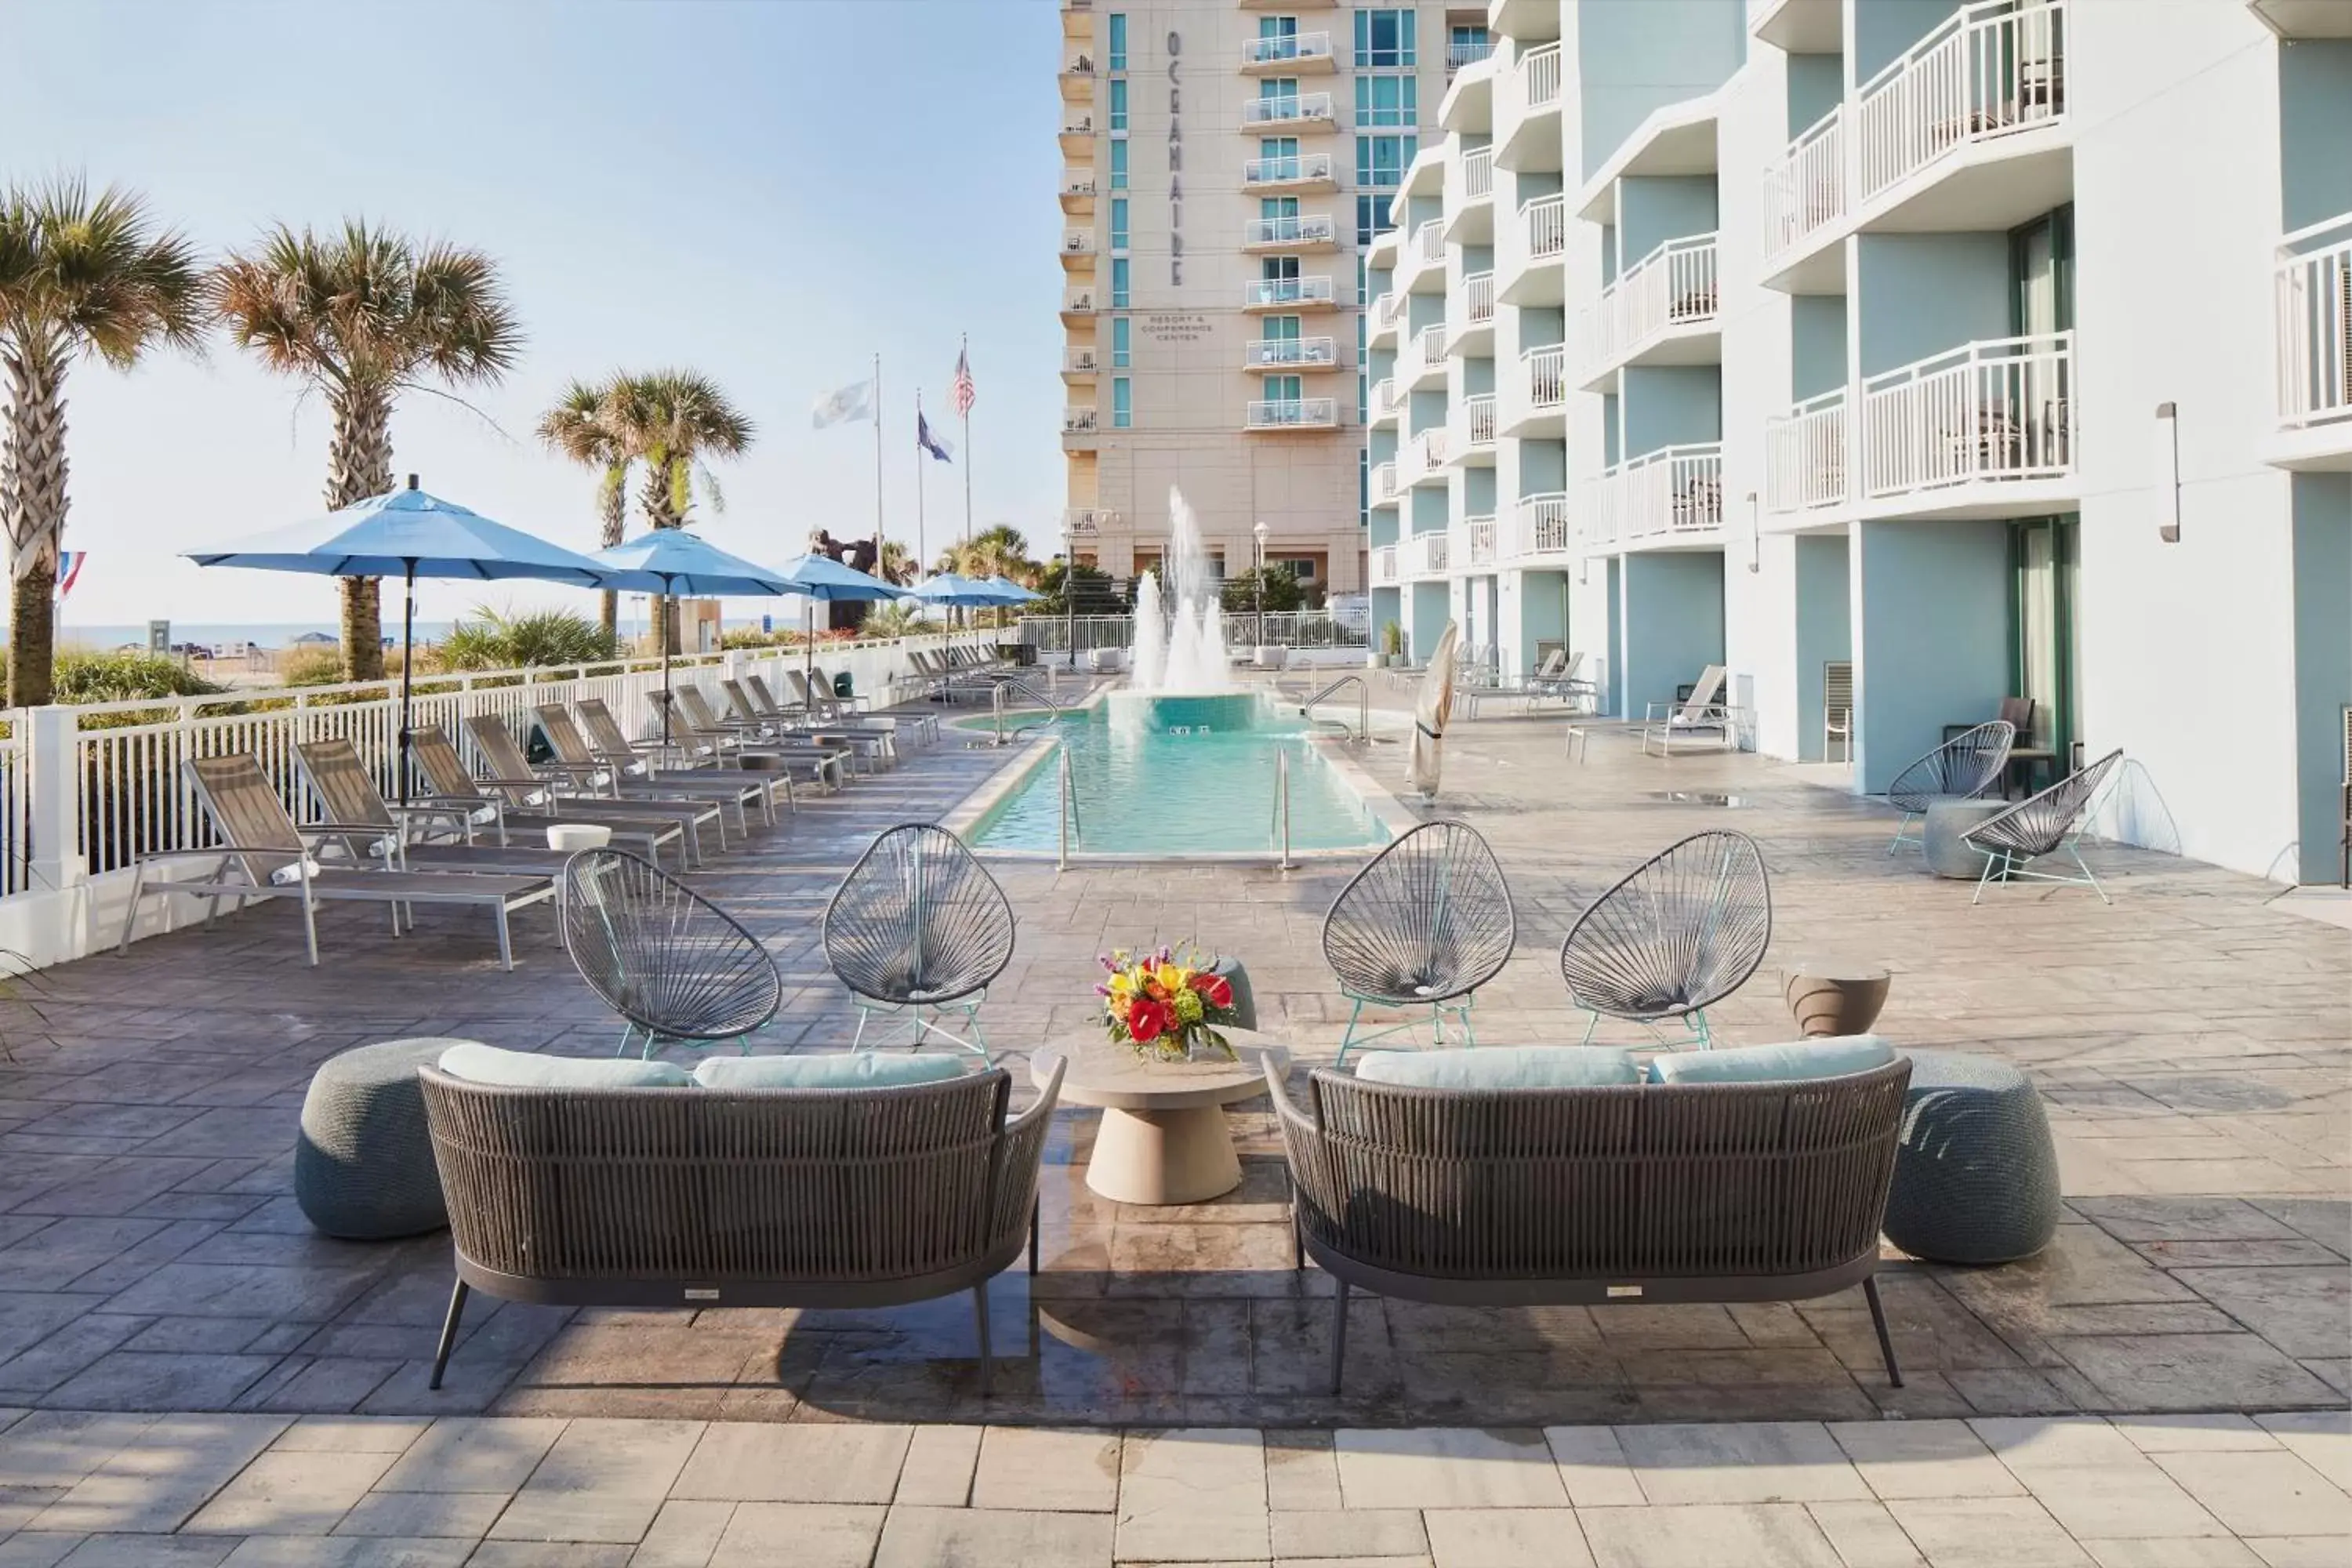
x=1164, y=1138
x=1829, y=997
x=1946, y=820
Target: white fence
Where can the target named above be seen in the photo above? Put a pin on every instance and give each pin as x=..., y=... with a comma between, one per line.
x=1384, y=480
x=1540, y=77
x=1297, y=168
x=1481, y=532
x=1989, y=69
x=1674, y=286
x=1547, y=375
x=1478, y=299
x=1805, y=190
x=1283, y=47
x=1804, y=455
x=1264, y=353
x=1264, y=291
x=1291, y=414
x=1384, y=565
x=1544, y=223
x=1298, y=228
x=1542, y=525
x=1672, y=490
x=1284, y=629
x=1303, y=107
x=2314, y=323
x=1429, y=241
x=1431, y=552
x=1478, y=173
x=1481, y=411
x=1432, y=339
x=2000, y=409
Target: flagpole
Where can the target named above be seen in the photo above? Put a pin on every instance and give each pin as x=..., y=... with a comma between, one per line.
x=877, y=459
x=965, y=356
x=919, y=456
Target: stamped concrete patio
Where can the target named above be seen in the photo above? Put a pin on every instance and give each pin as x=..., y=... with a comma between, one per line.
x=2191, y=1042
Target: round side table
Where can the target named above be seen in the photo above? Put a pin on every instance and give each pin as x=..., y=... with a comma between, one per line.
x=1946, y=820
x=1164, y=1138
x=1831, y=998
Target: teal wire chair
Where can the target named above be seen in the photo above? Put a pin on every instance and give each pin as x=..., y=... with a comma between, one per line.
x=1425, y=924
x=1683, y=931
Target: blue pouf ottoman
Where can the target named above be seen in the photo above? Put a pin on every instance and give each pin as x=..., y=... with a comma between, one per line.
x=1975, y=1172
x=363, y=1168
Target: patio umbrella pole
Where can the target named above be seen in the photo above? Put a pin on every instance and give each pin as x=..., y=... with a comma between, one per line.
x=407, y=663
x=668, y=582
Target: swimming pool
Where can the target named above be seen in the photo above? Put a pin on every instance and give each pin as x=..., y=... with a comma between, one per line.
x=1181, y=776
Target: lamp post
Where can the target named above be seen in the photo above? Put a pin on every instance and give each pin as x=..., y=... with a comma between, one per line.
x=1257, y=632
x=1070, y=588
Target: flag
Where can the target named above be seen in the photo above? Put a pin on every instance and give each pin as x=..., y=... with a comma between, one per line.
x=70, y=568
x=936, y=446
x=963, y=388
x=853, y=404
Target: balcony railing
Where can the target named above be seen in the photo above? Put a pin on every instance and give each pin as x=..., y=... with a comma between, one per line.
x=1539, y=525
x=1292, y=46
x=1288, y=291
x=1298, y=168
x=1429, y=240
x=1481, y=410
x=1544, y=221
x=1804, y=455
x=1292, y=414
x=2314, y=323
x=1078, y=181
x=1481, y=538
x=1082, y=362
x=2001, y=409
x=1805, y=190
x=1547, y=375
x=1674, y=286
x=1478, y=299
x=1078, y=242
x=1392, y=306
x=1079, y=301
x=1430, y=551
x=1433, y=449
x=1300, y=108
x=1078, y=422
x=1306, y=228
x=1432, y=339
x=1460, y=52
x=1384, y=565
x=1387, y=397
x=1478, y=175
x=1990, y=68
x=1674, y=489
x=1086, y=522
x=1384, y=480
x=1540, y=78
x=1078, y=125
x=1279, y=353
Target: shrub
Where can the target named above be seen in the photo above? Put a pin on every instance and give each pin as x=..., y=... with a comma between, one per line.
x=125, y=676
x=312, y=667
x=498, y=639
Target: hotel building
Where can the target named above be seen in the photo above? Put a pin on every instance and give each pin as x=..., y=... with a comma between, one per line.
x=1902, y=356
x=1225, y=164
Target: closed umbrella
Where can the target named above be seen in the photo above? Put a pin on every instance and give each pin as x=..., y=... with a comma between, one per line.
x=405, y=533
x=1433, y=709
x=671, y=561
x=816, y=577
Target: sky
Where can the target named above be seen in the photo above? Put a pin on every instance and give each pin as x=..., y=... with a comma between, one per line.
x=768, y=191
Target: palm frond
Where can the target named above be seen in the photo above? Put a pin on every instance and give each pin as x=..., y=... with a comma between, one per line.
x=94, y=273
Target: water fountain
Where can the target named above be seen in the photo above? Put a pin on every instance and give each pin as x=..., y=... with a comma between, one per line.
x=1180, y=674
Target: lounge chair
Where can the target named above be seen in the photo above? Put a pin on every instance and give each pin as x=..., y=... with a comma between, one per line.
x=509, y=766
x=263, y=856
x=1679, y=933
x=875, y=743
x=632, y=777
x=343, y=787
x=528, y=800
x=2043, y=824
x=919, y=926
x=640, y=760
x=1425, y=924
x=814, y=708
x=1962, y=768
x=1703, y=715
x=719, y=741
x=831, y=704
x=671, y=962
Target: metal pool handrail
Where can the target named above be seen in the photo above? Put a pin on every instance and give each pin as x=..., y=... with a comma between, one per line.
x=1363, y=705
x=1068, y=806
x=996, y=701
x=1280, y=830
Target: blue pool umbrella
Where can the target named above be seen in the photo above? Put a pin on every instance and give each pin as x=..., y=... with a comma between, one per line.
x=814, y=577
x=406, y=534
x=950, y=588
x=671, y=561
x=1012, y=593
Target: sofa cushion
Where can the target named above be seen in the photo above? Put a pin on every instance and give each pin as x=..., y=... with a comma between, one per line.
x=526, y=1070
x=1833, y=1058
x=1500, y=1067
x=859, y=1069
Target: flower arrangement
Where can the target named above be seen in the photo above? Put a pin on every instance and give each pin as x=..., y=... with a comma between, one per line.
x=1166, y=1003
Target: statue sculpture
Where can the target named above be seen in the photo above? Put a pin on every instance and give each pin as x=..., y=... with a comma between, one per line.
x=858, y=555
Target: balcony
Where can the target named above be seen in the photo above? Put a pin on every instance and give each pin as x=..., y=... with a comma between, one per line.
x=1431, y=445
x=1800, y=26
x=1429, y=243
x=1291, y=414
x=1479, y=420
x=1388, y=403
x=1804, y=457
x=1944, y=137
x=1078, y=191
x=1079, y=250
x=1540, y=527
x=1476, y=337
x=1478, y=175
x=1307, y=231
x=1392, y=309
x=1429, y=554
x=1478, y=537
x=1087, y=521
x=1077, y=135
x=1543, y=226
x=1384, y=483
x=1804, y=197
x=1078, y=79
x=1661, y=310
x=1080, y=365
x=1542, y=402
x=1079, y=426
x=1077, y=306
x=2314, y=343
x=1290, y=353
x=1986, y=430
x=1292, y=111
x=1384, y=566
x=1536, y=275
x=1675, y=494
x=1288, y=294
x=1298, y=172
x=1470, y=200
x=1296, y=54
x=1427, y=358
x=1468, y=52
x=1078, y=18
x=1287, y=5
x=1530, y=108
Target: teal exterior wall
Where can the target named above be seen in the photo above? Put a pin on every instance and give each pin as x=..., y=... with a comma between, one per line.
x=2323, y=664
x=1655, y=208
x=1431, y=608
x=1427, y=510
x=1388, y=608
x=1930, y=637
x=1543, y=615
x=1543, y=468
x=1674, y=622
x=1616, y=689
x=1542, y=326
x=1816, y=344
x=2314, y=130
x=1479, y=492
x=1634, y=60
x=1824, y=609
x=1816, y=86
x=1666, y=406
x=1923, y=293
x=1883, y=29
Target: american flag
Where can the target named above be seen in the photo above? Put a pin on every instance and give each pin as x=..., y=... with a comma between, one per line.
x=963, y=388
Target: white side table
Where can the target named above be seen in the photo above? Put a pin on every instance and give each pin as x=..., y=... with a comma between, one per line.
x=1164, y=1138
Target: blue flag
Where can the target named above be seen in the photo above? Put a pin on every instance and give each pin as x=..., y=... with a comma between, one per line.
x=937, y=446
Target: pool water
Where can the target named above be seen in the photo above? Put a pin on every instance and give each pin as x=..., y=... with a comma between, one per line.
x=1178, y=776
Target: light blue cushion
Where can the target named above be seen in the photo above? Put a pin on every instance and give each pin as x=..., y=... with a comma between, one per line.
x=526, y=1070
x=1833, y=1058
x=862, y=1069
x=1500, y=1067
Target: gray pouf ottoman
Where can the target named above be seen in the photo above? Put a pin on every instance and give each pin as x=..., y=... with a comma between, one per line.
x=363, y=1169
x=1244, y=1000
x=1976, y=1173
x=1945, y=821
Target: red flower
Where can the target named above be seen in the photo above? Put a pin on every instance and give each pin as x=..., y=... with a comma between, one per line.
x=1146, y=1020
x=1214, y=989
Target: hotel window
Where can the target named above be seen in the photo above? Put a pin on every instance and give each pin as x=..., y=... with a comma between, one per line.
x=1280, y=329
x=1284, y=389
x=1119, y=341
x=1119, y=283
x=1380, y=161
x=1122, y=412
x=1119, y=165
x=1118, y=223
x=1466, y=43
x=1280, y=156
x=1279, y=90
x=1384, y=39
x=1381, y=101
x=1372, y=218
x=1118, y=104
x=1118, y=40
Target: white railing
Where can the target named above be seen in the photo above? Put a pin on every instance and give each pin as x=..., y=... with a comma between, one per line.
x=1432, y=339
x=1478, y=299
x=1292, y=46
x=1674, y=286
x=2314, y=323
x=1291, y=414
x=1078, y=242
x=1804, y=455
x=1430, y=551
x=1085, y=522
x=1540, y=525
x=1672, y=490
x=1990, y=68
x=1468, y=52
x=1077, y=185
x=1305, y=228
x=1392, y=309
x=1481, y=412
x=1297, y=168
x=1547, y=375
x=15, y=812
x=1077, y=421
x=1289, y=109
x=1083, y=125
x=1387, y=401
x=1081, y=362
x=2001, y=409
x=1384, y=563
x=1805, y=190
x=1272, y=353
x=1480, y=533
x=1429, y=240
x=1079, y=301
x=1540, y=78
x=1478, y=175
x=1288, y=291
x=1384, y=480
x=1544, y=224
x=1433, y=449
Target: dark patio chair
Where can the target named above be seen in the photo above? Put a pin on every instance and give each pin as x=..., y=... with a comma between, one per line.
x=919, y=927
x=2044, y=824
x=1424, y=925
x=1960, y=769
x=1683, y=932
x=668, y=959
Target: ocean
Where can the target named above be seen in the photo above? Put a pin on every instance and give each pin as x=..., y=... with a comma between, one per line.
x=209, y=634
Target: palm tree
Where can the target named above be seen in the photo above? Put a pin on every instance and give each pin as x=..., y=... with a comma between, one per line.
x=897, y=564
x=672, y=421
x=582, y=428
x=78, y=274
x=364, y=314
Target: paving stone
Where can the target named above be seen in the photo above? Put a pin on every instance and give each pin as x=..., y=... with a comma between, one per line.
x=2173, y=1551
x=548, y=1554
x=1593, y=1467
x=684, y=1535
x=1192, y=1495
x=352, y=1435
x=1350, y=1532
x=296, y=1493
x=2299, y=1551
x=413, y=1515
x=1750, y=1462
x=808, y=1535
x=1050, y=1468
x=2191, y=1434
x=1505, y=1537
x=349, y=1551
x=1301, y=1470
x=601, y=1481
x=137, y=1380
x=2262, y=1493
x=1865, y=1535
x=938, y=1472
x=469, y=1454
x=1924, y=1458
x=1961, y=1533
x=1706, y=1535
x=2303, y=1311
x=748, y=1462
x=2193, y=1372
x=932, y=1537
x=164, y=1475
x=2321, y=1439
x=134, y=1551
x=1447, y=1468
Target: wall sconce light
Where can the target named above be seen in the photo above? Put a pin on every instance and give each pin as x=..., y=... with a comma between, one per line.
x=2168, y=478
x=1755, y=535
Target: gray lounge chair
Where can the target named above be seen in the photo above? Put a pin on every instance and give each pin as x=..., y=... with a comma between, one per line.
x=631, y=777
x=504, y=755
x=2043, y=824
x=344, y=788
x=1702, y=717
x=753, y=701
x=530, y=801
x=1962, y=768
x=263, y=856
x=874, y=743
x=925, y=725
x=719, y=743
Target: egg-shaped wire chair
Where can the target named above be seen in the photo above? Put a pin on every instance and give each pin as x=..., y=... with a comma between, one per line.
x=1682, y=932
x=1962, y=768
x=2042, y=825
x=918, y=927
x=672, y=963
x=1425, y=924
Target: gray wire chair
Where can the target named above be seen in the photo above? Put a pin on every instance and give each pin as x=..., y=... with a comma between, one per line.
x=1960, y=769
x=2040, y=825
x=668, y=959
x=1424, y=925
x=919, y=927
x=1680, y=933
